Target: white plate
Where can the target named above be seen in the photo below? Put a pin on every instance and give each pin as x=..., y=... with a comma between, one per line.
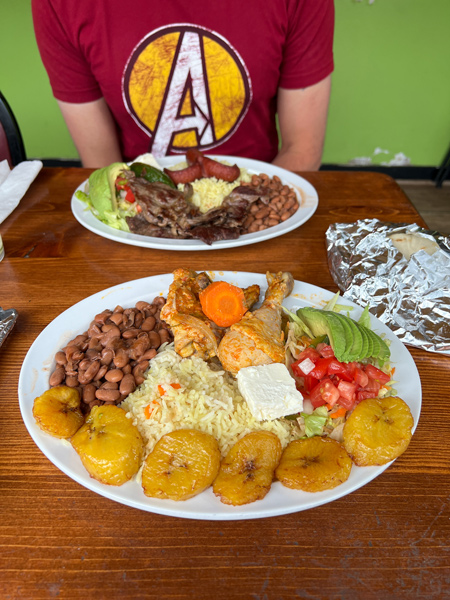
x=307, y=197
x=39, y=362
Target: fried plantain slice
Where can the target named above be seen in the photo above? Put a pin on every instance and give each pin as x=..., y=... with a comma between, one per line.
x=57, y=411
x=109, y=445
x=182, y=464
x=378, y=431
x=247, y=471
x=314, y=464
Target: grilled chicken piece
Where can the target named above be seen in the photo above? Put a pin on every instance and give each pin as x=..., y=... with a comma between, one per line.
x=193, y=332
x=258, y=339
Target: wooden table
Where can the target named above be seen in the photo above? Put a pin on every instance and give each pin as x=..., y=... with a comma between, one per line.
x=389, y=539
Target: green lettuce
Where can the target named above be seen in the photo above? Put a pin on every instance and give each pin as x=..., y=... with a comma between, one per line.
x=315, y=422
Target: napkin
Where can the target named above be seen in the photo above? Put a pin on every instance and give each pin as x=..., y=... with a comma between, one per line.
x=14, y=183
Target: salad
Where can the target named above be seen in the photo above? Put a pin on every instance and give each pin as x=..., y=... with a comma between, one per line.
x=319, y=345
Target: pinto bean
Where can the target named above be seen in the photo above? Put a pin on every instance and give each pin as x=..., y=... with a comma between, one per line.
x=94, y=330
x=89, y=393
x=107, y=395
x=164, y=336
x=155, y=339
x=102, y=317
x=111, y=334
x=116, y=318
x=253, y=227
x=57, y=377
x=130, y=333
x=262, y=213
x=72, y=381
x=143, y=365
x=149, y=354
x=114, y=375
x=121, y=358
x=61, y=358
x=127, y=385
x=109, y=385
x=101, y=373
x=107, y=356
x=142, y=304
x=149, y=323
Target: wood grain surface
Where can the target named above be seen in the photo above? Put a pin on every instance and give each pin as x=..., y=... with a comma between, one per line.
x=389, y=539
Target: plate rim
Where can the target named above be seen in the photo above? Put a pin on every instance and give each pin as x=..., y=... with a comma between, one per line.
x=166, y=507
x=303, y=187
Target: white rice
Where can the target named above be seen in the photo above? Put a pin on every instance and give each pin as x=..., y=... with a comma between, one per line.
x=208, y=400
x=210, y=192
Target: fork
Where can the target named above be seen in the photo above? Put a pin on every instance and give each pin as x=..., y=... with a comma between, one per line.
x=7, y=319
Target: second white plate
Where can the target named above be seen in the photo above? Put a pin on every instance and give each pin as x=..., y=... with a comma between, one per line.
x=307, y=197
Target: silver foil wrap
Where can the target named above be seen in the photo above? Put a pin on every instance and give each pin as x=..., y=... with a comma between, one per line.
x=411, y=296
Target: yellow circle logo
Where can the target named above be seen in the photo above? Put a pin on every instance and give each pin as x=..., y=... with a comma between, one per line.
x=186, y=87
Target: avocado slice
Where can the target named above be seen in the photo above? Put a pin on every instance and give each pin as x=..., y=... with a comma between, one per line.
x=322, y=322
x=102, y=191
x=380, y=349
x=367, y=342
x=354, y=339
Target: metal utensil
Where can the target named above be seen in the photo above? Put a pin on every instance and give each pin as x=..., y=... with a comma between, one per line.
x=7, y=320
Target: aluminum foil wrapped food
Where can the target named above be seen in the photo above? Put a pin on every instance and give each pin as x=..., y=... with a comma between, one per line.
x=401, y=272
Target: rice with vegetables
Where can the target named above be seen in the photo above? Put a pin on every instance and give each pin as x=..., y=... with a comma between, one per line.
x=187, y=393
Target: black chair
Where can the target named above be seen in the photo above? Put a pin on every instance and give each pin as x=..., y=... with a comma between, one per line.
x=444, y=171
x=11, y=143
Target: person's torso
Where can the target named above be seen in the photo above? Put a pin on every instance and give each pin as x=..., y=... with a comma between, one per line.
x=187, y=74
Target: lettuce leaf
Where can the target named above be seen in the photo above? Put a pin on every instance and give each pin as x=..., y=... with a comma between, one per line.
x=315, y=422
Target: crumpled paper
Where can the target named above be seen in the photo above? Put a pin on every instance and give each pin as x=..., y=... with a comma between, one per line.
x=412, y=297
x=14, y=184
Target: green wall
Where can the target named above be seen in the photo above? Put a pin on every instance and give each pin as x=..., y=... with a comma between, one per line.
x=391, y=86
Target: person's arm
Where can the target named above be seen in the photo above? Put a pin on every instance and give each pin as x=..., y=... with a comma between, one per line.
x=93, y=131
x=302, y=116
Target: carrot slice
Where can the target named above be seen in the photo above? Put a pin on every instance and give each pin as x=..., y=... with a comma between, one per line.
x=223, y=303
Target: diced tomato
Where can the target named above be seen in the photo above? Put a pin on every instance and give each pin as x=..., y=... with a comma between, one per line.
x=316, y=397
x=360, y=377
x=309, y=383
x=377, y=374
x=308, y=352
x=321, y=368
x=340, y=369
x=121, y=183
x=363, y=394
x=347, y=390
x=325, y=392
x=372, y=386
x=346, y=403
x=129, y=197
x=325, y=350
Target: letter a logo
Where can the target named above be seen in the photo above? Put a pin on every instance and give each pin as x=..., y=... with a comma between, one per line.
x=186, y=87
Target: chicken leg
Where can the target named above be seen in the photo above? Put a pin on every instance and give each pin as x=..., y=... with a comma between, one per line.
x=258, y=339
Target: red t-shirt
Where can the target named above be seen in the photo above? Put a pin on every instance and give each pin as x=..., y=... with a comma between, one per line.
x=178, y=74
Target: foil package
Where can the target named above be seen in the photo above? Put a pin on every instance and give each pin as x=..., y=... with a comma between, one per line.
x=401, y=272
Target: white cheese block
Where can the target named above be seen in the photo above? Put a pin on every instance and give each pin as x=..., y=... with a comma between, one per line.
x=270, y=391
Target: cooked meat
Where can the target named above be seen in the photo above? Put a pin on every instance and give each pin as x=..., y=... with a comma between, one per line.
x=167, y=212
x=193, y=332
x=257, y=339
